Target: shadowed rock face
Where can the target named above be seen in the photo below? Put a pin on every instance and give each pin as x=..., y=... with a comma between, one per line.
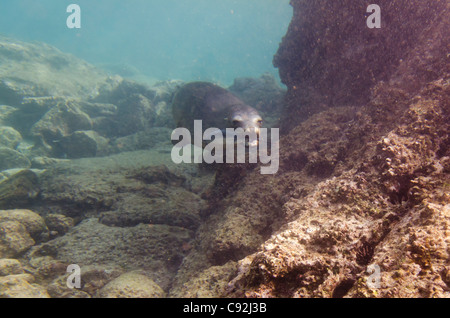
x=329, y=57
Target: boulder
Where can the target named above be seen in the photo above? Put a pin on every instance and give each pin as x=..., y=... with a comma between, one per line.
x=135, y=107
x=10, y=267
x=125, y=195
x=14, y=239
x=60, y=121
x=59, y=74
x=58, y=224
x=330, y=58
x=157, y=249
x=10, y=158
x=93, y=278
x=19, y=188
x=5, y=113
x=9, y=137
x=132, y=285
x=149, y=138
x=31, y=110
x=33, y=222
x=82, y=144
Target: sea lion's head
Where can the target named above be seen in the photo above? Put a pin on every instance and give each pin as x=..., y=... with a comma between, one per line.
x=247, y=118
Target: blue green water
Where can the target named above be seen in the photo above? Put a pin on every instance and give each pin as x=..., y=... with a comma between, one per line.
x=215, y=40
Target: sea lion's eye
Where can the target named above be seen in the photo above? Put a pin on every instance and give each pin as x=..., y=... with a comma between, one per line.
x=259, y=122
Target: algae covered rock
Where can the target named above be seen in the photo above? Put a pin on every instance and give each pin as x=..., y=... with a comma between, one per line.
x=149, y=138
x=134, y=190
x=10, y=267
x=93, y=278
x=158, y=249
x=19, y=187
x=59, y=74
x=60, y=121
x=82, y=144
x=325, y=66
x=10, y=158
x=14, y=239
x=131, y=285
x=206, y=284
x=32, y=221
x=58, y=224
x=20, y=230
x=21, y=286
x=5, y=113
x=9, y=137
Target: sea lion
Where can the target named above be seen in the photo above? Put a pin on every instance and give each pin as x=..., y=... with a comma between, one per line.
x=215, y=106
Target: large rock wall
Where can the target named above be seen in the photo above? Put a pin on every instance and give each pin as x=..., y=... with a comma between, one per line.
x=364, y=167
x=329, y=57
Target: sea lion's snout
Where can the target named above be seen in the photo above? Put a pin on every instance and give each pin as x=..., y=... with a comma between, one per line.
x=251, y=124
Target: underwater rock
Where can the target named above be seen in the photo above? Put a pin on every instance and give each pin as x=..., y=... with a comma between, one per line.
x=10, y=158
x=59, y=74
x=156, y=196
x=33, y=222
x=21, y=286
x=113, y=189
x=93, y=278
x=14, y=239
x=58, y=289
x=97, y=109
x=135, y=107
x=10, y=267
x=44, y=268
x=83, y=144
x=150, y=138
x=9, y=137
x=209, y=283
x=157, y=249
x=103, y=116
x=58, y=224
x=164, y=92
x=45, y=162
x=30, y=111
x=20, y=188
x=20, y=229
x=131, y=285
x=389, y=210
x=330, y=58
x=60, y=121
x=5, y=113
